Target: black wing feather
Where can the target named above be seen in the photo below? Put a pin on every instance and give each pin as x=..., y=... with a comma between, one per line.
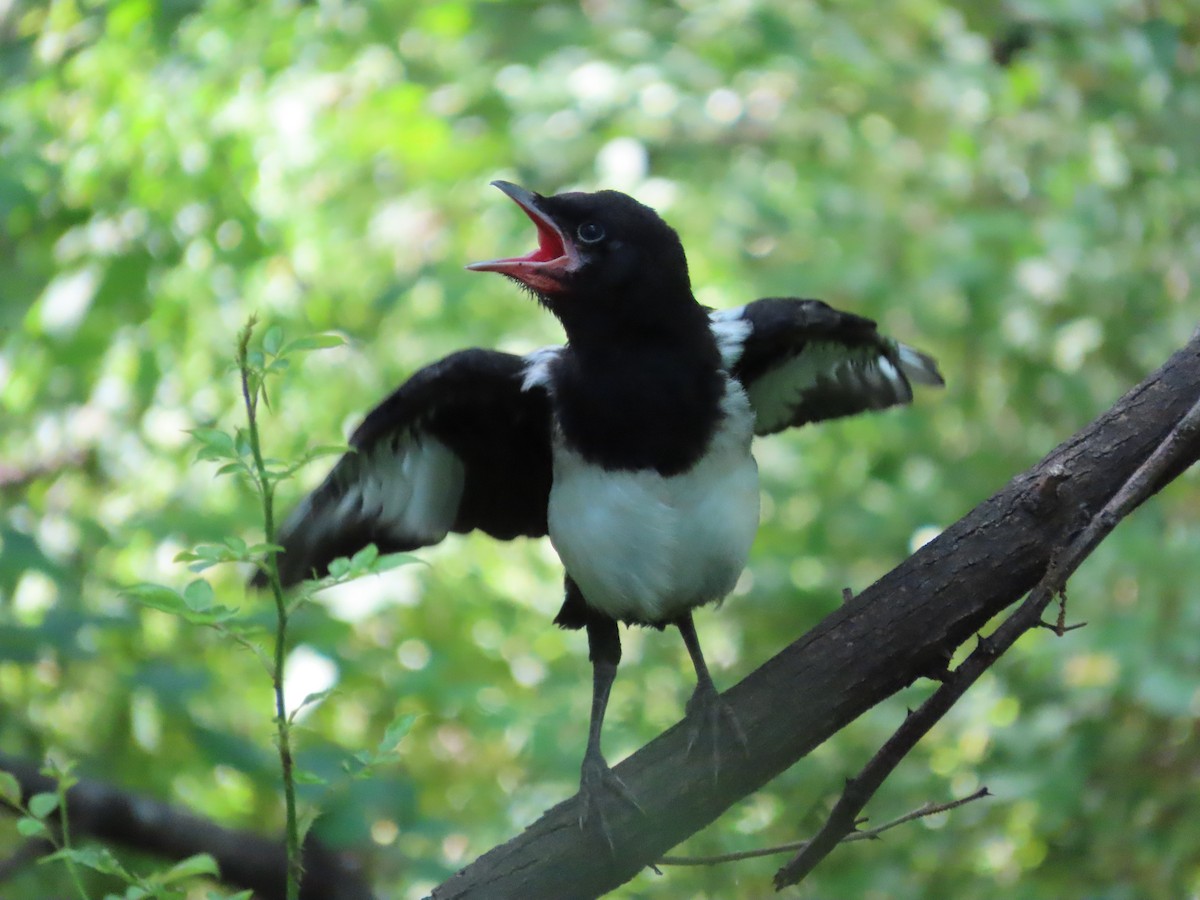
x=803, y=361
x=461, y=445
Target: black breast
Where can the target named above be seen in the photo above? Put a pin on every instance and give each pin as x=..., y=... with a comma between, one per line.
x=629, y=407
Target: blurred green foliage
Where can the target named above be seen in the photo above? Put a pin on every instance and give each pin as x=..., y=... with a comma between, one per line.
x=1012, y=187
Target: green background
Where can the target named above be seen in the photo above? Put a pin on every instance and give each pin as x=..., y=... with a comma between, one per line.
x=1027, y=214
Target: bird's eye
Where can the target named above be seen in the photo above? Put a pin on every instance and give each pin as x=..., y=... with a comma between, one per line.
x=590, y=232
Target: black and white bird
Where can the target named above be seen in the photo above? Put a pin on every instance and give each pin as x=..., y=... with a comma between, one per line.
x=630, y=446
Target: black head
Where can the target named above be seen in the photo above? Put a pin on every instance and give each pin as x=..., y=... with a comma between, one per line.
x=599, y=255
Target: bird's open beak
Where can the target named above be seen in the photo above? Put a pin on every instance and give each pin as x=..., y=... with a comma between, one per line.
x=543, y=269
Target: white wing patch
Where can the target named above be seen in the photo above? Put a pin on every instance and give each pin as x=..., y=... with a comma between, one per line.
x=825, y=368
x=538, y=366
x=411, y=485
x=730, y=330
x=890, y=373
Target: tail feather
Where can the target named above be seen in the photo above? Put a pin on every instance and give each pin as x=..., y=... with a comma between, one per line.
x=918, y=366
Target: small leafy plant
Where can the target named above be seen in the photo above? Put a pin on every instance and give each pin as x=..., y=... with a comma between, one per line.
x=240, y=453
x=43, y=817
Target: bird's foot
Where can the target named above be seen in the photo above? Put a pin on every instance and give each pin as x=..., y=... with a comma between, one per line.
x=596, y=780
x=707, y=715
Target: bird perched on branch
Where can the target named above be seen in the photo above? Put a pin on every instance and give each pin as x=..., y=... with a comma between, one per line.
x=629, y=446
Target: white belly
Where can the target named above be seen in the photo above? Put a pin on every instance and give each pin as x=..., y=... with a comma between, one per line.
x=646, y=548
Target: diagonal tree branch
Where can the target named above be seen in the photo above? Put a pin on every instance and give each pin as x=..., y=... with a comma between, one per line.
x=102, y=812
x=906, y=625
x=859, y=790
x=864, y=834
x=15, y=476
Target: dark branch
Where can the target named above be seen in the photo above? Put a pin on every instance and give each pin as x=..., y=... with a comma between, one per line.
x=859, y=790
x=15, y=477
x=870, y=834
x=906, y=624
x=101, y=812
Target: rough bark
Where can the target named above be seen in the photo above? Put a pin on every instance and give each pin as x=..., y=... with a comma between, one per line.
x=842, y=821
x=904, y=626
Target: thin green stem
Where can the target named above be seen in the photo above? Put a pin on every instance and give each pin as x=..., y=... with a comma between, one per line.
x=266, y=491
x=64, y=827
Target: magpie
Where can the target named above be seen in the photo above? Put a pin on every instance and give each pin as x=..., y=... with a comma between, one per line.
x=630, y=446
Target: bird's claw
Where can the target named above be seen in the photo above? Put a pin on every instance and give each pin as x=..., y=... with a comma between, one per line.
x=707, y=712
x=597, y=778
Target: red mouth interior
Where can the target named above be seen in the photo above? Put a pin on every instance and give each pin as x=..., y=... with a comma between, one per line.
x=550, y=245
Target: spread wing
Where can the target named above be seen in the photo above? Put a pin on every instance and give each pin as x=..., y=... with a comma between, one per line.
x=802, y=361
x=461, y=445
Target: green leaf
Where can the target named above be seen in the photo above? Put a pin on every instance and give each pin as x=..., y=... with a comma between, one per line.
x=200, y=551
x=315, y=697
x=211, y=616
x=306, y=820
x=385, y=752
x=157, y=596
x=393, y=561
x=241, y=441
x=62, y=772
x=192, y=867
x=10, y=789
x=273, y=339
x=364, y=557
x=100, y=859
x=215, y=443
x=196, y=605
x=395, y=733
x=27, y=826
x=41, y=805
x=232, y=550
x=314, y=342
x=198, y=596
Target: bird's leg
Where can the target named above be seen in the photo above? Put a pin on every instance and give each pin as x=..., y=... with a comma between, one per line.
x=596, y=777
x=706, y=710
